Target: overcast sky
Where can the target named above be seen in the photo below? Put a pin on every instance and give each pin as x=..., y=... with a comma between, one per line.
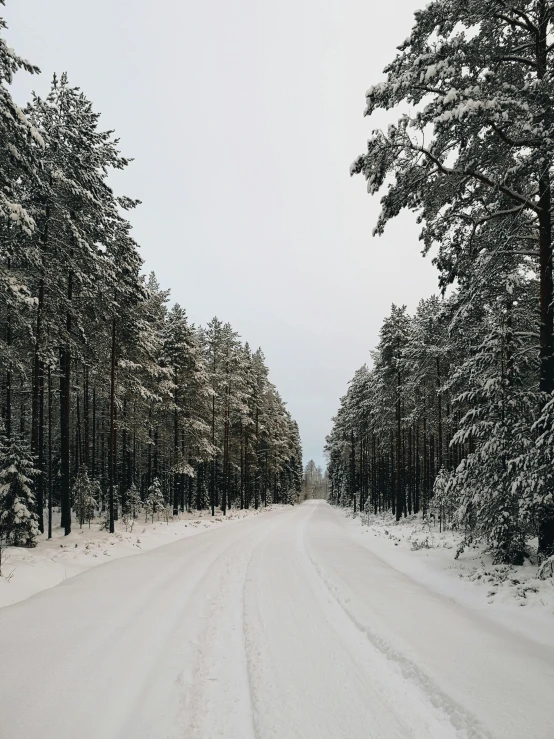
x=243, y=117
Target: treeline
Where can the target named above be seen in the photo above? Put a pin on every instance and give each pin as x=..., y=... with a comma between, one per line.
x=107, y=391
x=457, y=410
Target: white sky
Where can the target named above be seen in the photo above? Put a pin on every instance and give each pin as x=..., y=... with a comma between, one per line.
x=243, y=117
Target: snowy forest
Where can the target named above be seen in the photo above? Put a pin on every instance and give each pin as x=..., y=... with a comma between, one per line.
x=170, y=565
x=111, y=399
x=455, y=416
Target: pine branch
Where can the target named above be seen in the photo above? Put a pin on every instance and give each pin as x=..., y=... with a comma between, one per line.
x=480, y=177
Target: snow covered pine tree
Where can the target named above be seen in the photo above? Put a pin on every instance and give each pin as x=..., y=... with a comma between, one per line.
x=476, y=75
x=18, y=522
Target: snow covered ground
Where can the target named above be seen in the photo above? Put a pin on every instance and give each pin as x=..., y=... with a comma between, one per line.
x=510, y=595
x=27, y=571
x=282, y=626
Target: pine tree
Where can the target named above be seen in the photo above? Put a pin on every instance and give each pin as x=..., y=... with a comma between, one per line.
x=191, y=399
x=473, y=156
x=99, y=375
x=21, y=145
x=78, y=217
x=476, y=70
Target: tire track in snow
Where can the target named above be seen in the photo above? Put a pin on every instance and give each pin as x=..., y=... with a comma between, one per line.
x=220, y=703
x=493, y=681
x=215, y=701
x=313, y=675
x=120, y=636
x=262, y=681
x=450, y=718
x=179, y=675
x=276, y=628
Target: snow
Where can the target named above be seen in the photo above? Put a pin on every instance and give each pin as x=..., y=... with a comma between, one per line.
x=28, y=571
x=284, y=625
x=512, y=596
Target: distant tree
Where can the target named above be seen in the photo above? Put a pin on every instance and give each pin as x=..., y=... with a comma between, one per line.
x=315, y=482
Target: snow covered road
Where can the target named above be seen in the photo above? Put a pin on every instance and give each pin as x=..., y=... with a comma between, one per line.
x=281, y=626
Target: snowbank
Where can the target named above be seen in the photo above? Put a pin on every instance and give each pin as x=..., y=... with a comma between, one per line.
x=511, y=595
x=28, y=571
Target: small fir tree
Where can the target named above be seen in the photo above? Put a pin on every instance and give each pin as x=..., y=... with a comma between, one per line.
x=133, y=503
x=18, y=522
x=84, y=495
x=443, y=504
x=155, y=499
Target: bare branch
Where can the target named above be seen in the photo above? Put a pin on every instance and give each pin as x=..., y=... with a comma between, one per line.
x=514, y=58
x=510, y=21
x=523, y=16
x=432, y=90
x=513, y=142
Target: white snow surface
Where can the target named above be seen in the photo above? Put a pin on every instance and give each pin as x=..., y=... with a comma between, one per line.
x=282, y=626
x=507, y=594
x=27, y=571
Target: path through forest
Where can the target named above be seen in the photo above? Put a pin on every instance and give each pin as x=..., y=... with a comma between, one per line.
x=279, y=627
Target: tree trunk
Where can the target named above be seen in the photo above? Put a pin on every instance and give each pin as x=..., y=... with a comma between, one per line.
x=9, y=372
x=93, y=450
x=241, y=467
x=257, y=472
x=400, y=498
x=36, y=410
x=226, y=455
x=175, y=456
x=545, y=232
x=86, y=420
x=546, y=524
x=123, y=479
x=65, y=410
x=353, y=469
x=214, y=459
x=78, y=456
x=111, y=461
x=439, y=415
x=417, y=487
x=40, y=455
x=49, y=452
